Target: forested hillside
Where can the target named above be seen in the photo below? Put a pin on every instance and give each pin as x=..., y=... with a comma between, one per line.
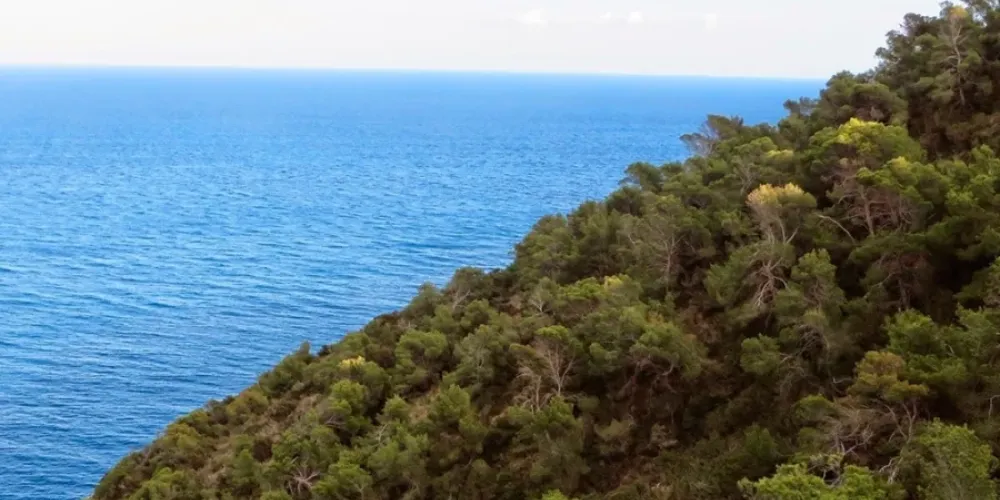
x=806, y=310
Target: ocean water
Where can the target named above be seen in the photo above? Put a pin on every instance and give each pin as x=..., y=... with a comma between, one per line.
x=167, y=235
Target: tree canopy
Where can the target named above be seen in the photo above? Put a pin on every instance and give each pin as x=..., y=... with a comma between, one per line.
x=804, y=310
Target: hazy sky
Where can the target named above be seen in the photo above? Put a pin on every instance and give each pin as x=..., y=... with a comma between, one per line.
x=787, y=38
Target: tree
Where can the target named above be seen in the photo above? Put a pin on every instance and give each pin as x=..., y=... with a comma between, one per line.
x=546, y=366
x=168, y=484
x=668, y=237
x=419, y=356
x=755, y=273
x=950, y=462
x=345, y=480
x=794, y=482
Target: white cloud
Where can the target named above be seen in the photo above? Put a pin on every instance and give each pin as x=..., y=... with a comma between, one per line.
x=634, y=17
x=711, y=22
x=534, y=17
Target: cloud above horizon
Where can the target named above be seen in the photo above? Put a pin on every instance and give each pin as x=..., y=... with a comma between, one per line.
x=540, y=17
x=711, y=21
x=534, y=17
x=773, y=38
x=634, y=17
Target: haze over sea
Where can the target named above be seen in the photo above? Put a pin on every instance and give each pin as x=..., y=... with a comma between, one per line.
x=167, y=235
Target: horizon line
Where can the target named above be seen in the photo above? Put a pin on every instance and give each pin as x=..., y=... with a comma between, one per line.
x=345, y=69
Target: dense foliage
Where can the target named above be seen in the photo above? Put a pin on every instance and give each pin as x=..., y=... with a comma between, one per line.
x=809, y=310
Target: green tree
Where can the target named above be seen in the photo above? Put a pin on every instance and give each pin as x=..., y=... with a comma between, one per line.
x=949, y=462
x=794, y=482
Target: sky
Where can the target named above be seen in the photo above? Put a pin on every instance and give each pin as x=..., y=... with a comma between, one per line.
x=751, y=38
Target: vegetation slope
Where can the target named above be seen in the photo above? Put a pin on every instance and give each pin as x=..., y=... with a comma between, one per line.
x=809, y=310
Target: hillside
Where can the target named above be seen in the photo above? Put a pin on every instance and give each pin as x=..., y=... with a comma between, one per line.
x=808, y=310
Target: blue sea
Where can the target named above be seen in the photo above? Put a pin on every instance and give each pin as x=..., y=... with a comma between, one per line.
x=167, y=235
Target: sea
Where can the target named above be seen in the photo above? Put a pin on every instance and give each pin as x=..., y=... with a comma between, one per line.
x=166, y=235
